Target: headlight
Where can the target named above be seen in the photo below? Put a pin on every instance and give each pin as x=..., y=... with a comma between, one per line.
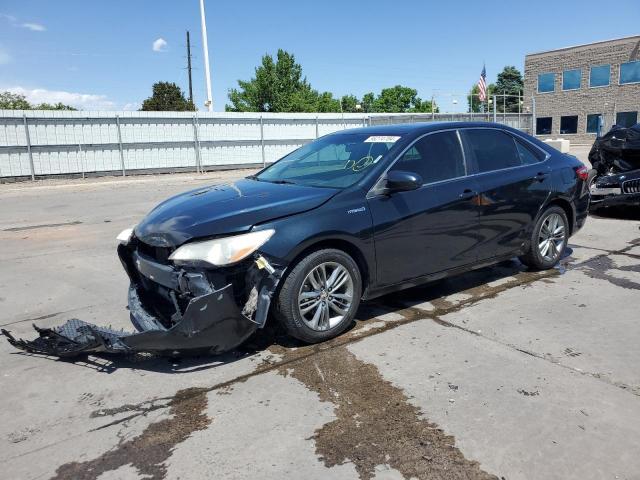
x=222, y=251
x=125, y=235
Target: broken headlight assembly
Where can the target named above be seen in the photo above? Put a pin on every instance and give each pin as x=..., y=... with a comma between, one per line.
x=125, y=236
x=221, y=251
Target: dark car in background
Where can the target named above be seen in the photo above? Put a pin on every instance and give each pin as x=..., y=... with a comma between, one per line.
x=348, y=217
x=615, y=179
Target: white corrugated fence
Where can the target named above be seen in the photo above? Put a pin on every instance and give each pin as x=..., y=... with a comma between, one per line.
x=35, y=143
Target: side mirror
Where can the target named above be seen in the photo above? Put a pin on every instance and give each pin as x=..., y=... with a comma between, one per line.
x=401, y=181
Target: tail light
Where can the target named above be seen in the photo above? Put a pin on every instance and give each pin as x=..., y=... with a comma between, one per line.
x=582, y=172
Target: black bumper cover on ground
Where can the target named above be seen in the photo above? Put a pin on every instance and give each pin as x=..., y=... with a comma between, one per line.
x=212, y=322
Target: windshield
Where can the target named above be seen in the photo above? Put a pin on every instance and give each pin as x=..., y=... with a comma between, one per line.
x=336, y=161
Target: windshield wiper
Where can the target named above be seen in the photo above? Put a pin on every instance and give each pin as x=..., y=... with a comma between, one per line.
x=283, y=182
x=252, y=177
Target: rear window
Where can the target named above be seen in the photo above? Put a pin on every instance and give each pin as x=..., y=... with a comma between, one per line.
x=492, y=149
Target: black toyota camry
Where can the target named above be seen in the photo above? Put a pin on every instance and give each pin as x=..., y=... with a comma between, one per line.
x=348, y=217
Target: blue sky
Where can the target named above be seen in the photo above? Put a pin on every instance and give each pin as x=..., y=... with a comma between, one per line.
x=100, y=55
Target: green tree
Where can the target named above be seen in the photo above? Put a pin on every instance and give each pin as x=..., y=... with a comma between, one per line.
x=368, y=100
x=13, y=101
x=325, y=102
x=396, y=99
x=350, y=103
x=509, y=82
x=54, y=106
x=167, y=96
x=476, y=104
x=278, y=86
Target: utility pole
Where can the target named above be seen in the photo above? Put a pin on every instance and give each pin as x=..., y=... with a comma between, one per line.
x=189, y=67
x=205, y=47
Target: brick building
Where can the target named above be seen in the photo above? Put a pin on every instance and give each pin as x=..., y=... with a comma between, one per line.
x=571, y=90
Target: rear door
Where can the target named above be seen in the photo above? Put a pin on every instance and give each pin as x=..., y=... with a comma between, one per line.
x=433, y=228
x=514, y=181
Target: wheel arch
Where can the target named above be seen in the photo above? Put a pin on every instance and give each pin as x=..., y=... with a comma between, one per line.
x=568, y=210
x=346, y=246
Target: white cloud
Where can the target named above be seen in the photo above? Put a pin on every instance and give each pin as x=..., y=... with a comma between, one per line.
x=159, y=45
x=131, y=106
x=83, y=101
x=35, y=27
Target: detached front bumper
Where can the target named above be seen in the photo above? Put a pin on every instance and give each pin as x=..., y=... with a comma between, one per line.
x=173, y=309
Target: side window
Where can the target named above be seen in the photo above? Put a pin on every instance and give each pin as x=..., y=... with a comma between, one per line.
x=435, y=157
x=492, y=149
x=527, y=155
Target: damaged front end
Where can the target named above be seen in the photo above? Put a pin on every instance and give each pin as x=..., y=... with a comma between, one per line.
x=174, y=308
x=615, y=157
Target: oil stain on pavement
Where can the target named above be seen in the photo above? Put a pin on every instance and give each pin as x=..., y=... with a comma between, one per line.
x=376, y=424
x=148, y=452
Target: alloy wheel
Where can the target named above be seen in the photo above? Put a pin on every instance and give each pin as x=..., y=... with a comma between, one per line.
x=325, y=296
x=551, y=237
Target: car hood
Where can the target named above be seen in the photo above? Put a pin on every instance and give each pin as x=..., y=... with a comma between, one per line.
x=224, y=209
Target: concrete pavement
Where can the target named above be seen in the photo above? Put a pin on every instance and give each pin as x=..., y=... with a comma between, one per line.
x=498, y=373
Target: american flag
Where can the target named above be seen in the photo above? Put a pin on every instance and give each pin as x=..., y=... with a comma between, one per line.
x=482, y=85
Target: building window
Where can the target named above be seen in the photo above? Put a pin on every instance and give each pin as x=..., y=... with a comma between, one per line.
x=546, y=82
x=600, y=76
x=569, y=124
x=543, y=125
x=626, y=119
x=594, y=120
x=630, y=72
x=571, y=79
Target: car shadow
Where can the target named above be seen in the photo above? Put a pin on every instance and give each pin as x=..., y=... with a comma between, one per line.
x=273, y=335
x=617, y=213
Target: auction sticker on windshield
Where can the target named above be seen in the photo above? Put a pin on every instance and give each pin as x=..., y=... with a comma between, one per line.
x=382, y=139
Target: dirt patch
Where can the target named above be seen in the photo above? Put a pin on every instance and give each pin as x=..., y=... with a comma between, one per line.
x=376, y=424
x=599, y=269
x=148, y=452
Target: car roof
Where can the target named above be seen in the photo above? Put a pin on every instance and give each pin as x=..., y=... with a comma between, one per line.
x=417, y=128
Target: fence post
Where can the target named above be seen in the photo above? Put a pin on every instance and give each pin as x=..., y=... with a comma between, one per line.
x=28, y=137
x=81, y=160
x=264, y=161
x=196, y=143
x=124, y=173
x=317, y=126
x=495, y=112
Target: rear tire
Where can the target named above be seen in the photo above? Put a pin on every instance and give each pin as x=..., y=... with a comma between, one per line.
x=548, y=240
x=319, y=297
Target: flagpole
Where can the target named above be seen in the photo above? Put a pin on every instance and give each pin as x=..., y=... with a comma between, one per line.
x=205, y=46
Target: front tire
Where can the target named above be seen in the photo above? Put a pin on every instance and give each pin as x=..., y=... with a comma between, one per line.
x=548, y=240
x=319, y=298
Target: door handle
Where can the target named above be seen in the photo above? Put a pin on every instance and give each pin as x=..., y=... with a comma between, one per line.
x=540, y=176
x=468, y=194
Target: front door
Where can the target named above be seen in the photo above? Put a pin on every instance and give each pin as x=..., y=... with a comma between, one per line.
x=432, y=228
x=514, y=182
